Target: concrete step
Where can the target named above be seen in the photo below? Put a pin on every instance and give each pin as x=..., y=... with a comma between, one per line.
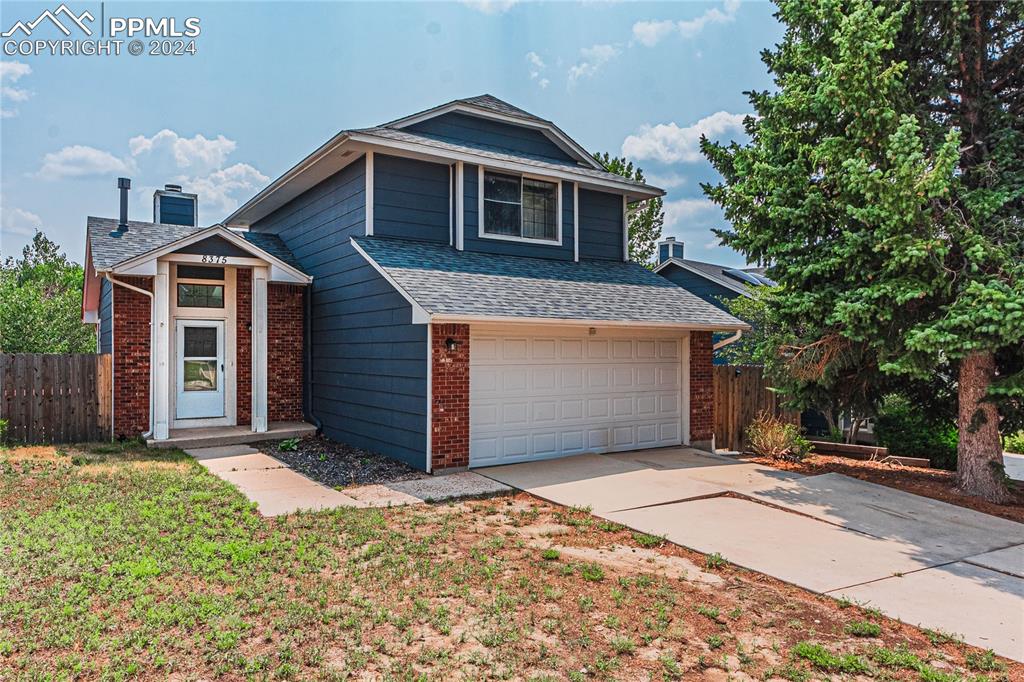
x=218, y=436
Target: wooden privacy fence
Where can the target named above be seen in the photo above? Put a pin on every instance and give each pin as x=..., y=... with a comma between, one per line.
x=50, y=398
x=741, y=394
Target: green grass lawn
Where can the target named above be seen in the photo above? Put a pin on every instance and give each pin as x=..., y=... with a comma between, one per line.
x=117, y=563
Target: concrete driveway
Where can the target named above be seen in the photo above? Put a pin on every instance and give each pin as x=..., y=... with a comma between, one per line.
x=920, y=560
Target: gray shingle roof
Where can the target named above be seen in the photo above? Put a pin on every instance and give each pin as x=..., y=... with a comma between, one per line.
x=500, y=106
x=273, y=245
x=496, y=153
x=718, y=273
x=142, y=237
x=449, y=282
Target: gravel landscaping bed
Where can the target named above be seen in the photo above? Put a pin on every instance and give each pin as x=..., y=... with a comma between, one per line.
x=338, y=465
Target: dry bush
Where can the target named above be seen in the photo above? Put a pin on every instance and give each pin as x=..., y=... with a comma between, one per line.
x=772, y=437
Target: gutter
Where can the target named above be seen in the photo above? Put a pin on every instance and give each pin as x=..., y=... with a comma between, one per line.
x=307, y=364
x=729, y=341
x=152, y=314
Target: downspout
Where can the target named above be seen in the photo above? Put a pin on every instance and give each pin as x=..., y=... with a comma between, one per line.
x=152, y=314
x=307, y=365
x=729, y=341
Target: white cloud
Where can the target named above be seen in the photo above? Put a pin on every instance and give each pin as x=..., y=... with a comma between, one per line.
x=666, y=181
x=11, y=72
x=650, y=33
x=668, y=143
x=221, y=191
x=79, y=161
x=198, y=154
x=199, y=164
x=491, y=6
x=686, y=209
x=591, y=60
x=537, y=67
x=19, y=222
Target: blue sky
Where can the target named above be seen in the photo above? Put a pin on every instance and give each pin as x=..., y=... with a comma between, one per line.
x=271, y=81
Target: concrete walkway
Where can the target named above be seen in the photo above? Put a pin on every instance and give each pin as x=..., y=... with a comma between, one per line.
x=923, y=561
x=278, y=490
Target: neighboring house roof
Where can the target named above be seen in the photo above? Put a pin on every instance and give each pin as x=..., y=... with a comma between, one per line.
x=719, y=274
x=349, y=145
x=451, y=285
x=142, y=238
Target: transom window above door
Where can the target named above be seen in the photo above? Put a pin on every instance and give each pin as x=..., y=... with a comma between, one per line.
x=519, y=207
x=200, y=287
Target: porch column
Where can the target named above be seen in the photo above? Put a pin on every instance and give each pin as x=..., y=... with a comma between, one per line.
x=161, y=351
x=259, y=349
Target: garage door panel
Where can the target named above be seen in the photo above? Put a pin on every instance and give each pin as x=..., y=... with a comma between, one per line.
x=535, y=397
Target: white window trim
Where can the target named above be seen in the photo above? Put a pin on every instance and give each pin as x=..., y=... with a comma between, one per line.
x=368, y=196
x=576, y=221
x=511, y=238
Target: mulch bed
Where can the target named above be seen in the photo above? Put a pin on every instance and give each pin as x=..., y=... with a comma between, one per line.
x=338, y=465
x=934, y=483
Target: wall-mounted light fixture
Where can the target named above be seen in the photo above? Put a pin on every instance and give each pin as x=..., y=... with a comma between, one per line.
x=592, y=331
x=451, y=344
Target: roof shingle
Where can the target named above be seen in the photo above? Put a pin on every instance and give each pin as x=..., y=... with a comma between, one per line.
x=449, y=282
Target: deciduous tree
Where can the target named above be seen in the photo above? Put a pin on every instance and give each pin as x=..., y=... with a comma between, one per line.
x=646, y=218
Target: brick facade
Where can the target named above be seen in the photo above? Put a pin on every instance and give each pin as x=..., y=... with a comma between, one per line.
x=284, y=352
x=243, y=347
x=702, y=399
x=449, y=409
x=131, y=356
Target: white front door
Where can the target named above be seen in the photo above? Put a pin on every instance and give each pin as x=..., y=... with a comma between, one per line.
x=200, y=369
x=536, y=396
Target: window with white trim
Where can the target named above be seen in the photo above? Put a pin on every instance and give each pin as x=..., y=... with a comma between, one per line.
x=520, y=207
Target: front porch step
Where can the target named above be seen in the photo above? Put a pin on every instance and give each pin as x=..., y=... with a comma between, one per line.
x=217, y=436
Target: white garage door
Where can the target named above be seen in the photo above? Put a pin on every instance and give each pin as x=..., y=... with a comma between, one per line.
x=536, y=396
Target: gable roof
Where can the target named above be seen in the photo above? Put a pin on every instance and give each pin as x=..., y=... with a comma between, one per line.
x=714, y=273
x=142, y=238
x=349, y=145
x=448, y=284
x=490, y=106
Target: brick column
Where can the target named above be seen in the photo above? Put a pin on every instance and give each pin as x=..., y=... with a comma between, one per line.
x=284, y=352
x=243, y=344
x=131, y=357
x=702, y=398
x=449, y=409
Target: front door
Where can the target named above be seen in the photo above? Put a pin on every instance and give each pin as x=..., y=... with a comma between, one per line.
x=200, y=370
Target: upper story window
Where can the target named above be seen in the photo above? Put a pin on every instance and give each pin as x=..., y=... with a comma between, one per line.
x=200, y=287
x=519, y=207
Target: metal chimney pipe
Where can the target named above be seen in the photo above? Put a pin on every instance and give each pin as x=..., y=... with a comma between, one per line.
x=124, y=184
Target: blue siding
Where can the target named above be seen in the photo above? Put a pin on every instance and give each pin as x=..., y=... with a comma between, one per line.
x=600, y=225
x=214, y=246
x=177, y=211
x=369, y=362
x=472, y=241
x=106, y=317
x=410, y=199
x=482, y=131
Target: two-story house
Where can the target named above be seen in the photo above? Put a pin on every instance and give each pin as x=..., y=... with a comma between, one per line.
x=452, y=289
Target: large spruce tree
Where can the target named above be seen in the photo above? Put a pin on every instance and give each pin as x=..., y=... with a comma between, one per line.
x=884, y=186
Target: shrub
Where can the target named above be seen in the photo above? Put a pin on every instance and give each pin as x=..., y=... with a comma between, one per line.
x=1013, y=442
x=770, y=436
x=289, y=444
x=3, y=431
x=907, y=430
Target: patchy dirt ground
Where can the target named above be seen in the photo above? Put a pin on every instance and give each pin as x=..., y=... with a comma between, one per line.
x=934, y=483
x=338, y=465
x=134, y=565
